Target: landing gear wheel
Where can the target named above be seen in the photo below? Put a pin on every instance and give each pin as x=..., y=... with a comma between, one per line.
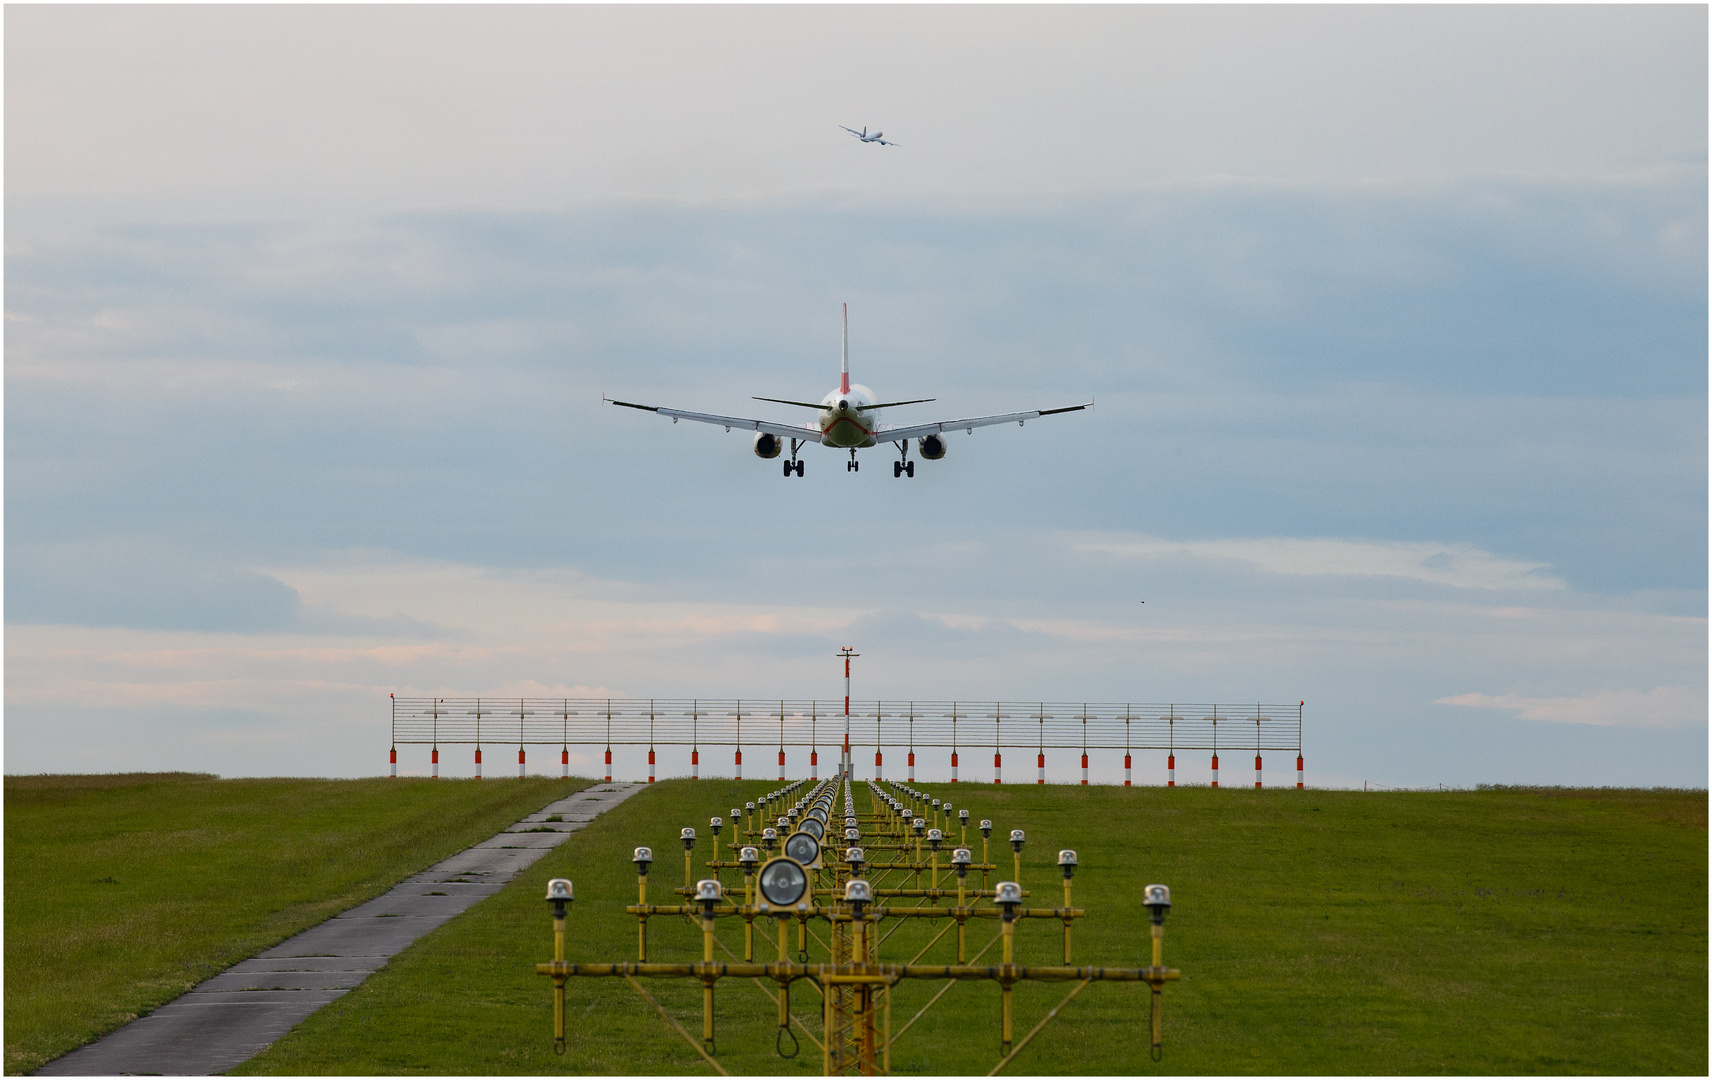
x=909, y=468
x=897, y=469
x=787, y=468
x=799, y=468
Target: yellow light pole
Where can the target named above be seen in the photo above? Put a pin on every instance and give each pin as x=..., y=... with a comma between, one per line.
x=749, y=858
x=715, y=823
x=559, y=895
x=688, y=837
x=1007, y=895
x=1157, y=900
x=642, y=858
x=1017, y=839
x=708, y=894
x=1067, y=863
x=960, y=863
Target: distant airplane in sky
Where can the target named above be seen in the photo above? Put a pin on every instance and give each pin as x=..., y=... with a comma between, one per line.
x=865, y=137
x=849, y=419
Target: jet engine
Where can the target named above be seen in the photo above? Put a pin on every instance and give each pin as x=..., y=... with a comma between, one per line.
x=932, y=447
x=768, y=445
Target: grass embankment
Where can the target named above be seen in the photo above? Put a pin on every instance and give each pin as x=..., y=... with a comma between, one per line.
x=123, y=891
x=1509, y=931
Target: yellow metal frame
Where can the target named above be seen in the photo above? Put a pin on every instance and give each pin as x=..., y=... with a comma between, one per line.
x=854, y=985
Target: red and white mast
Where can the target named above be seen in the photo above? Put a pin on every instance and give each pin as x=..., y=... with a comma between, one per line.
x=844, y=388
x=844, y=765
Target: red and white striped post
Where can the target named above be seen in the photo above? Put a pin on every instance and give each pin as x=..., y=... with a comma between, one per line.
x=1257, y=770
x=814, y=764
x=520, y=763
x=695, y=763
x=1215, y=770
x=1299, y=706
x=1126, y=770
x=1040, y=767
x=878, y=775
x=478, y=763
x=781, y=764
x=998, y=767
x=953, y=766
x=395, y=763
x=912, y=766
x=846, y=763
x=650, y=764
x=739, y=763
x=1084, y=768
x=565, y=763
x=1171, y=770
x=435, y=758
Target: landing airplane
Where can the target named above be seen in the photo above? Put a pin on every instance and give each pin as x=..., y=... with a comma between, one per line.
x=865, y=137
x=848, y=418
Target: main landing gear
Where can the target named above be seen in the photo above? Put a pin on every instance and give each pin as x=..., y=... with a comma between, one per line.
x=793, y=465
x=853, y=465
x=903, y=467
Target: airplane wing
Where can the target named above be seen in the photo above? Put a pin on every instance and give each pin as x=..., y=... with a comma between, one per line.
x=885, y=142
x=913, y=431
x=852, y=131
x=789, y=431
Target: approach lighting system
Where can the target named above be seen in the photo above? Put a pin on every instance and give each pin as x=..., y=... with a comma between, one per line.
x=783, y=882
x=802, y=847
x=1157, y=901
x=559, y=894
x=796, y=877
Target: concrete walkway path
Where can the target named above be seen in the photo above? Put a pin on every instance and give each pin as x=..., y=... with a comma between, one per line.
x=236, y=1014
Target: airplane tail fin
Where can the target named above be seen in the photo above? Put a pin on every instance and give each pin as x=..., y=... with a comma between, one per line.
x=844, y=356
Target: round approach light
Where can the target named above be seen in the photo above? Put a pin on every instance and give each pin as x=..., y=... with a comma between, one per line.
x=814, y=828
x=986, y=826
x=560, y=889
x=961, y=857
x=642, y=858
x=709, y=891
x=802, y=847
x=783, y=882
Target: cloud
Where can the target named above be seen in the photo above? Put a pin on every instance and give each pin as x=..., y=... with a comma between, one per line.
x=144, y=584
x=1457, y=565
x=1661, y=707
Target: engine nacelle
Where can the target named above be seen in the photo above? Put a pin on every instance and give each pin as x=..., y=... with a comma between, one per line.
x=932, y=447
x=768, y=445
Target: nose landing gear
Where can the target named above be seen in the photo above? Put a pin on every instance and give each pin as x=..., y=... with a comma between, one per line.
x=853, y=465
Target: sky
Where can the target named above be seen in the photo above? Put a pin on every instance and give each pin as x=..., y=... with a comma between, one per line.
x=1395, y=321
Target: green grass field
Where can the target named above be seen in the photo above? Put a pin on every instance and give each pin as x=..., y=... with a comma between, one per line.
x=123, y=891
x=1494, y=931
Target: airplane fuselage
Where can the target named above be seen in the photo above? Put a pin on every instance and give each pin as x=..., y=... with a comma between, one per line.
x=845, y=421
